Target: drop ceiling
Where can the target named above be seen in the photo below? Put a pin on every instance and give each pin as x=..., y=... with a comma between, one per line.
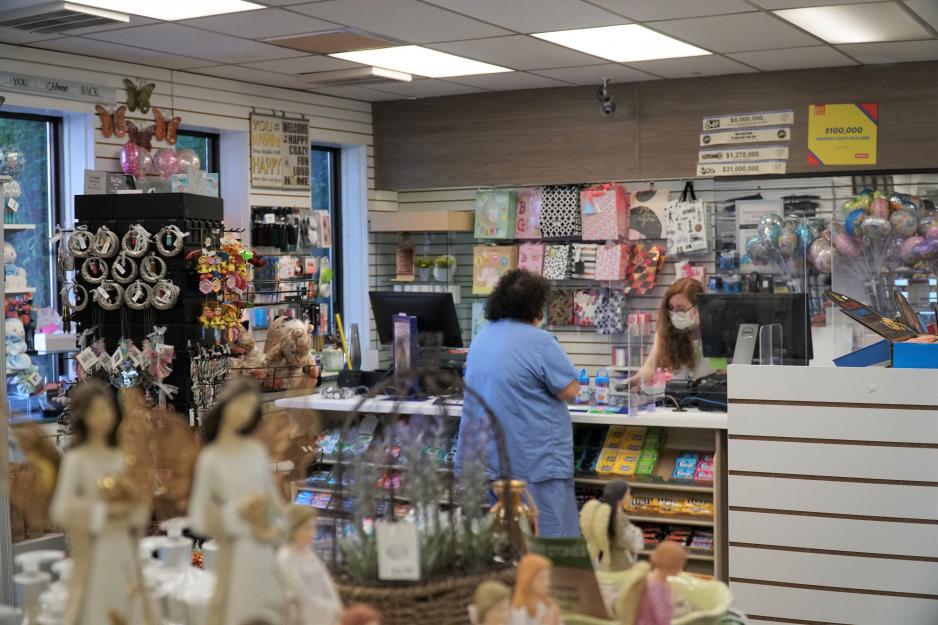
x=745, y=36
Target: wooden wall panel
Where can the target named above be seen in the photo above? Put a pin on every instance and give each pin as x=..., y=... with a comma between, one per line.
x=559, y=135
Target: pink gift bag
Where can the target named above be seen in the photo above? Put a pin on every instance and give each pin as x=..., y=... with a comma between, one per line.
x=605, y=211
x=528, y=213
x=531, y=257
x=612, y=261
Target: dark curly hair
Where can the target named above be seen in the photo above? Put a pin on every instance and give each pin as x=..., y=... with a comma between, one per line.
x=519, y=295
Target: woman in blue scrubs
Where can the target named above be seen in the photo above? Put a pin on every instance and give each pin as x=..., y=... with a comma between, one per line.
x=525, y=377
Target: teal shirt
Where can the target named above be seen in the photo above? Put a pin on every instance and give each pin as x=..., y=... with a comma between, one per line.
x=518, y=370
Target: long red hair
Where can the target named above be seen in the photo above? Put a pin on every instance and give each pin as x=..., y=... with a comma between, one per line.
x=675, y=348
x=531, y=566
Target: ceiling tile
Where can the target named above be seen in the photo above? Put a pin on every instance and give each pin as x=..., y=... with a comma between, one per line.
x=594, y=74
x=358, y=93
x=793, y=58
x=426, y=88
x=647, y=10
x=534, y=16
x=256, y=76
x=926, y=9
x=407, y=20
x=692, y=66
x=303, y=64
x=17, y=37
x=736, y=33
x=173, y=38
x=517, y=52
x=261, y=24
x=126, y=54
x=797, y=4
x=509, y=81
x=135, y=20
x=892, y=51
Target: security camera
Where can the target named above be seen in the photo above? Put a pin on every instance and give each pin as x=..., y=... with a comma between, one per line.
x=607, y=103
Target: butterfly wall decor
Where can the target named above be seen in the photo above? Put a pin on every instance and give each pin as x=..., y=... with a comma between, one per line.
x=138, y=97
x=142, y=138
x=112, y=124
x=166, y=127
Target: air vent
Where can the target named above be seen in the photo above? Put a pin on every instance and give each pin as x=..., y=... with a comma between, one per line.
x=58, y=17
x=357, y=76
x=333, y=41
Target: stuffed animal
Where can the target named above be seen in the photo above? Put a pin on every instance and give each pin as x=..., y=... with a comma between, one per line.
x=248, y=359
x=14, y=340
x=289, y=358
x=14, y=276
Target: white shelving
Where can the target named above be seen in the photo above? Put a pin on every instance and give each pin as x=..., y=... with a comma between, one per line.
x=641, y=485
x=29, y=289
x=19, y=226
x=701, y=556
x=672, y=520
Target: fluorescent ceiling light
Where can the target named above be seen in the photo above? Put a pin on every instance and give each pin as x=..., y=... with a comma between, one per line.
x=420, y=61
x=622, y=44
x=857, y=23
x=171, y=10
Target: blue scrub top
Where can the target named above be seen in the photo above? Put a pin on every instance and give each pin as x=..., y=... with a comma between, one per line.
x=518, y=369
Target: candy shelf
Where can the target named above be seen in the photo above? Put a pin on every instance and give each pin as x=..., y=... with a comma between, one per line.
x=683, y=487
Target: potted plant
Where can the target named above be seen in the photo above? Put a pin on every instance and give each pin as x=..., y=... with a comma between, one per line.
x=444, y=267
x=423, y=264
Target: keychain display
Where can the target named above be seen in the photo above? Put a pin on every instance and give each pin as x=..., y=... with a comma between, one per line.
x=124, y=269
x=163, y=295
x=79, y=243
x=109, y=295
x=136, y=241
x=170, y=240
x=138, y=295
x=74, y=297
x=152, y=268
x=223, y=279
x=105, y=243
x=94, y=270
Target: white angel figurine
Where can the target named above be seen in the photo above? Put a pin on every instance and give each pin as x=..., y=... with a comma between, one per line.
x=235, y=501
x=311, y=596
x=102, y=512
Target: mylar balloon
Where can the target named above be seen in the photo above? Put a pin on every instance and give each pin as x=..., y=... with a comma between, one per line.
x=787, y=241
x=927, y=250
x=135, y=160
x=805, y=236
x=927, y=221
x=769, y=233
x=907, y=251
x=771, y=218
x=904, y=223
x=166, y=162
x=875, y=227
x=879, y=207
x=853, y=221
x=845, y=244
x=932, y=233
x=824, y=260
x=188, y=161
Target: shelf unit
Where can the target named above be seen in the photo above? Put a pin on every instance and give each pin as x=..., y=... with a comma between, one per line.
x=646, y=485
x=700, y=556
x=29, y=289
x=17, y=227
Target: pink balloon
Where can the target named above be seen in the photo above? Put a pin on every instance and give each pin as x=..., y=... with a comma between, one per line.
x=846, y=245
x=880, y=207
x=166, y=162
x=188, y=161
x=932, y=233
x=906, y=249
x=135, y=160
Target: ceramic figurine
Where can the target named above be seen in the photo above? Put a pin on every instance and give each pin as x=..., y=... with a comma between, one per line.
x=102, y=513
x=235, y=501
x=656, y=608
x=14, y=275
x=531, y=604
x=613, y=542
x=491, y=604
x=311, y=596
x=360, y=614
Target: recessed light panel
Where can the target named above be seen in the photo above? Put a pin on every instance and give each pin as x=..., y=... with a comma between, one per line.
x=623, y=44
x=856, y=23
x=420, y=61
x=171, y=10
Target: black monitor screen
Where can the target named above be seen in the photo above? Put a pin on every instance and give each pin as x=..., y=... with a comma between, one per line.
x=435, y=313
x=722, y=313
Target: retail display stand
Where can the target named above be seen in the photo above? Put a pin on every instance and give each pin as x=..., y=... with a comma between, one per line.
x=200, y=216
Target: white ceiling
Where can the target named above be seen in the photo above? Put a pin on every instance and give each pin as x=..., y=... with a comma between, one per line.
x=744, y=35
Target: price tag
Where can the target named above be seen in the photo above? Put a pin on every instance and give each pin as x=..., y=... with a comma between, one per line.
x=398, y=551
x=13, y=205
x=87, y=359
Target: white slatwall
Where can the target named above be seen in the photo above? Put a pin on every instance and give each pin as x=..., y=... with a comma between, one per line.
x=833, y=509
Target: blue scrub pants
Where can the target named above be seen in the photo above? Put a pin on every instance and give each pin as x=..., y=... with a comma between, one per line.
x=557, y=516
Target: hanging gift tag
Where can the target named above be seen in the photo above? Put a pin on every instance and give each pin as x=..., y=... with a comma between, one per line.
x=135, y=355
x=117, y=358
x=104, y=361
x=270, y=218
x=398, y=551
x=87, y=359
x=13, y=205
x=205, y=286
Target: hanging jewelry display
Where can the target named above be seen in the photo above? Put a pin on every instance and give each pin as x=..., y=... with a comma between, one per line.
x=152, y=268
x=170, y=240
x=105, y=243
x=157, y=363
x=74, y=297
x=164, y=295
x=109, y=295
x=137, y=295
x=94, y=270
x=79, y=243
x=124, y=269
x=136, y=241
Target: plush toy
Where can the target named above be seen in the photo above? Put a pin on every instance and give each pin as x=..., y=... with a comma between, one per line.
x=14, y=340
x=289, y=358
x=14, y=276
x=248, y=359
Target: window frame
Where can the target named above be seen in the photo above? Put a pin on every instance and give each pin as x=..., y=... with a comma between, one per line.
x=213, y=151
x=335, y=175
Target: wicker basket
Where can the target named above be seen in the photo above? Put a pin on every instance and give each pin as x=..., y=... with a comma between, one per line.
x=435, y=602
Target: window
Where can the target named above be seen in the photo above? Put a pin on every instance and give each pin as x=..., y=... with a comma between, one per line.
x=204, y=144
x=325, y=196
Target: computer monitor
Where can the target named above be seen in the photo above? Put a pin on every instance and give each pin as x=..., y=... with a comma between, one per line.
x=722, y=313
x=435, y=313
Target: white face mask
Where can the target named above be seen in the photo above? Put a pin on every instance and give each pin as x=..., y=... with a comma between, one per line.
x=683, y=319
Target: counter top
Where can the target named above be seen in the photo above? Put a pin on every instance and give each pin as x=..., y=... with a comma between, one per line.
x=661, y=417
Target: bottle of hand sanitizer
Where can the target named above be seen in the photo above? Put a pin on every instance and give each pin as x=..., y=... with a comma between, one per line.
x=584, y=380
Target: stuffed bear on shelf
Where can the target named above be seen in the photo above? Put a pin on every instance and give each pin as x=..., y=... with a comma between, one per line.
x=14, y=276
x=289, y=359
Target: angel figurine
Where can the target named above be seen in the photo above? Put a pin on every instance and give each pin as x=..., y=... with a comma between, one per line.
x=236, y=502
x=103, y=512
x=613, y=541
x=311, y=595
x=531, y=604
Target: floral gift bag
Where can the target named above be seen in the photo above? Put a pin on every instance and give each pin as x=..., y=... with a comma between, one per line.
x=605, y=209
x=560, y=307
x=528, y=213
x=557, y=262
x=584, y=307
x=612, y=260
x=531, y=257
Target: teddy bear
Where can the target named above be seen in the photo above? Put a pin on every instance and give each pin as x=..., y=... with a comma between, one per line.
x=288, y=357
x=248, y=360
x=14, y=340
x=14, y=276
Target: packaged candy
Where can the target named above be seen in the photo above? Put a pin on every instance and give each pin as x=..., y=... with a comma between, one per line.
x=606, y=465
x=615, y=437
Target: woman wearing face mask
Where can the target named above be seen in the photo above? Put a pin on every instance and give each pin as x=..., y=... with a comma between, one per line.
x=677, y=345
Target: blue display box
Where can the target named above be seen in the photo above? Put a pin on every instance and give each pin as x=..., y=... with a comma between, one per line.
x=896, y=355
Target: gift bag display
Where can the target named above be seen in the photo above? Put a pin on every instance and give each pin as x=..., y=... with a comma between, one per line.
x=560, y=307
x=612, y=260
x=583, y=261
x=648, y=213
x=495, y=214
x=560, y=212
x=528, y=213
x=643, y=269
x=489, y=263
x=531, y=257
x=478, y=317
x=605, y=212
x=584, y=307
x=610, y=313
x=687, y=223
x=557, y=262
